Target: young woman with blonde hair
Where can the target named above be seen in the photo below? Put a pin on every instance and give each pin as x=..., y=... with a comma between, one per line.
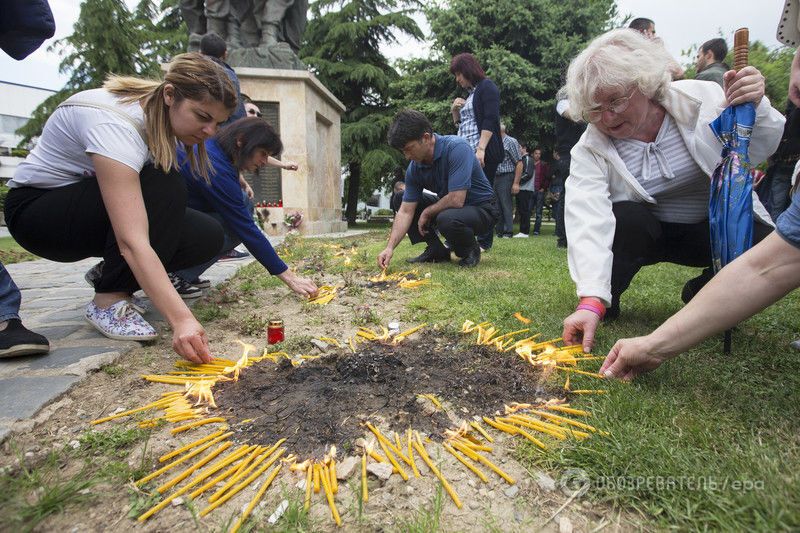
x=103, y=182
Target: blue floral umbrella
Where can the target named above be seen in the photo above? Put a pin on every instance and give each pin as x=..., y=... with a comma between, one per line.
x=730, y=209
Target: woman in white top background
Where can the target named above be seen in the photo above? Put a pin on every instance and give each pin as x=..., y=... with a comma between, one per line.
x=103, y=182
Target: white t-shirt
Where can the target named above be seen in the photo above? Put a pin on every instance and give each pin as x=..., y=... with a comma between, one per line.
x=73, y=133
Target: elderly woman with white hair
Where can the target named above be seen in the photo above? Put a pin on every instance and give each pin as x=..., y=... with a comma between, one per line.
x=638, y=188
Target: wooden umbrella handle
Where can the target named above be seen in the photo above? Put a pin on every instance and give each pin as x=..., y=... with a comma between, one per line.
x=741, y=47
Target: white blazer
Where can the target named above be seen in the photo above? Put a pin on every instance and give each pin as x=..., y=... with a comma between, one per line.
x=598, y=177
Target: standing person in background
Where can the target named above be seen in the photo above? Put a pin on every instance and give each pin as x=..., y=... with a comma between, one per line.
x=525, y=194
x=541, y=182
x=213, y=46
x=102, y=181
x=478, y=120
x=647, y=28
x=774, y=189
x=24, y=25
x=709, y=61
x=506, y=183
x=568, y=131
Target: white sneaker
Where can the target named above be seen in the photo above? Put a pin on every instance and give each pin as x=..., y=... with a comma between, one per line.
x=120, y=321
x=521, y=236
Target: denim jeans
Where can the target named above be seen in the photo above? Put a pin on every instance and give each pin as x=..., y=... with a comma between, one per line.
x=502, y=189
x=10, y=296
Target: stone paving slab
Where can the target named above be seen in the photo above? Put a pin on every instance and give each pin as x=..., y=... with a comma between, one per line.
x=22, y=397
x=54, y=297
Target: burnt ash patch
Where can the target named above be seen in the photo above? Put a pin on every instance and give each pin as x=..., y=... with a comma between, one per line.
x=325, y=400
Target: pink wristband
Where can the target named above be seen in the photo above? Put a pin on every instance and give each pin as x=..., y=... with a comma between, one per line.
x=589, y=305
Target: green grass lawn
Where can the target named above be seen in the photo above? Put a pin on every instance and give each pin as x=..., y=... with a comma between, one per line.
x=706, y=442
x=11, y=252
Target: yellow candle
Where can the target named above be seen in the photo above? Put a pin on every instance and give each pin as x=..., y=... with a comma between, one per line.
x=258, y=456
x=186, y=473
x=424, y=454
x=256, y=498
x=463, y=461
x=511, y=430
x=474, y=445
x=197, y=479
x=334, y=481
x=482, y=431
x=227, y=473
x=199, y=423
x=235, y=490
x=329, y=495
x=153, y=405
x=175, y=453
x=411, y=455
x=481, y=459
x=392, y=460
x=364, y=493
x=175, y=463
x=542, y=427
x=568, y=410
x=309, y=475
x=388, y=444
x=581, y=372
x=316, y=478
x=564, y=420
x=238, y=476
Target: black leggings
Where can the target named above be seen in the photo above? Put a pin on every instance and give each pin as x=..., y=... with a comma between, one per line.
x=641, y=239
x=70, y=223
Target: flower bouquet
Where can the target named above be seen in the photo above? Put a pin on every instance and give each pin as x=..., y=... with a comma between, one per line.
x=293, y=220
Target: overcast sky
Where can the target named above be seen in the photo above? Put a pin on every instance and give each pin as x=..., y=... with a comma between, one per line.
x=681, y=23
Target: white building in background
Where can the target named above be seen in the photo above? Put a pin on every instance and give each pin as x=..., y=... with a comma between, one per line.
x=17, y=103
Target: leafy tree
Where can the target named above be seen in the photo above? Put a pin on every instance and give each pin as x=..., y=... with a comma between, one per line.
x=523, y=45
x=109, y=38
x=342, y=47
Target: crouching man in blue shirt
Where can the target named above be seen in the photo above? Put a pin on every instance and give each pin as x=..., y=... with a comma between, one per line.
x=464, y=205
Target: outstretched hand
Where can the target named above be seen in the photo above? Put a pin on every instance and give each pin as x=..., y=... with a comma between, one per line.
x=629, y=358
x=190, y=342
x=580, y=327
x=385, y=257
x=300, y=285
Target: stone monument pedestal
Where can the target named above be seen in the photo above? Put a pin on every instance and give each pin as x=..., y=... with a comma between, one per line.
x=309, y=124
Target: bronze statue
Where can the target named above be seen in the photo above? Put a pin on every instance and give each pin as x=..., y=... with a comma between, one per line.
x=259, y=33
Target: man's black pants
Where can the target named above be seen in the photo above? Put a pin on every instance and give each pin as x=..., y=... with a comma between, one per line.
x=70, y=223
x=525, y=209
x=641, y=239
x=458, y=226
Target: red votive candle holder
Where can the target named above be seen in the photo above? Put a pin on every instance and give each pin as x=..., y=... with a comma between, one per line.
x=275, y=331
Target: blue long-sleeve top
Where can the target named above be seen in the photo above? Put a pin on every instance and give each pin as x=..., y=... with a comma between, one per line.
x=224, y=196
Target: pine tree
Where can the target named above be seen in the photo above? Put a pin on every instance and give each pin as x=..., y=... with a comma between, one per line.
x=342, y=47
x=109, y=38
